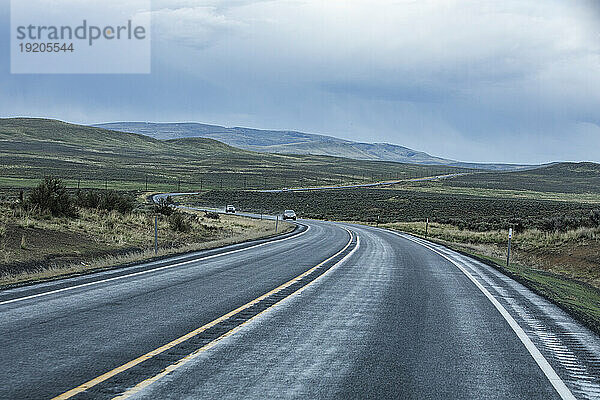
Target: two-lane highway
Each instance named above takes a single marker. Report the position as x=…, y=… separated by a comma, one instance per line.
x=336, y=311
x=53, y=342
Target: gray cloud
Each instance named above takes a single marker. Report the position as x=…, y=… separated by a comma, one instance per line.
x=513, y=80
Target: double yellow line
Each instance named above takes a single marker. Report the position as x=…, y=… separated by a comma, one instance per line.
x=89, y=384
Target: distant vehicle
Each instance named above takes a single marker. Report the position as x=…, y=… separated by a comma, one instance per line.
x=230, y=209
x=289, y=214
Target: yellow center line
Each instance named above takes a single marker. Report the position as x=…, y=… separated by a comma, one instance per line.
x=89, y=384
x=180, y=363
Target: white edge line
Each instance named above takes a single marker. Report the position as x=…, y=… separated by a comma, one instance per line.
x=180, y=363
x=33, y=296
x=541, y=361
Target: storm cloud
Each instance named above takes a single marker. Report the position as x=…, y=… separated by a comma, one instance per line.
x=510, y=81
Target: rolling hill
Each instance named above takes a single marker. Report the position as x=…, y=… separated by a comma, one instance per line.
x=291, y=142
x=32, y=148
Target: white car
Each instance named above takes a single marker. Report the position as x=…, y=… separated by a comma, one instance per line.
x=289, y=214
x=230, y=209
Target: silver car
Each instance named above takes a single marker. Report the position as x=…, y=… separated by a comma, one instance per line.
x=289, y=214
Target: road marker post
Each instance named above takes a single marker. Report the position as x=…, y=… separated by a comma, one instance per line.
x=426, y=228
x=510, y=234
x=156, y=234
x=276, y=222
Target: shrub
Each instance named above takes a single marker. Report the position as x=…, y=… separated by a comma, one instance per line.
x=88, y=199
x=212, y=215
x=595, y=217
x=164, y=207
x=115, y=201
x=179, y=223
x=51, y=196
x=109, y=201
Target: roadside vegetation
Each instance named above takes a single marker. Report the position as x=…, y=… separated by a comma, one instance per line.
x=467, y=212
x=572, y=178
x=50, y=231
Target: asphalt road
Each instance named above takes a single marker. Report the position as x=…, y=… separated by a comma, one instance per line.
x=335, y=187
x=373, y=314
x=365, y=185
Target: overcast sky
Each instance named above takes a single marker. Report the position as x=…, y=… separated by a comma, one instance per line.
x=504, y=81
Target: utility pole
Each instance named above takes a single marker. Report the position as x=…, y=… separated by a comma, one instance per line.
x=105, y=184
x=146, y=183
x=510, y=234
x=201, y=184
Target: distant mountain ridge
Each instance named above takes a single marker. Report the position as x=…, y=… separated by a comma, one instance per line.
x=292, y=142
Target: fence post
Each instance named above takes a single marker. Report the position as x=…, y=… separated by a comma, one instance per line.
x=156, y=234
x=510, y=233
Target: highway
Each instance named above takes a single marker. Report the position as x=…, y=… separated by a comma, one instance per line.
x=330, y=311
x=366, y=185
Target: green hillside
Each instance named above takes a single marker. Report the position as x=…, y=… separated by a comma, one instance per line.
x=559, y=178
x=291, y=142
x=33, y=148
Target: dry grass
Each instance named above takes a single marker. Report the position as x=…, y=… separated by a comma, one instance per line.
x=99, y=240
x=573, y=253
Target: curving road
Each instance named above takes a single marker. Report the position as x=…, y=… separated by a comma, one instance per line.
x=331, y=311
